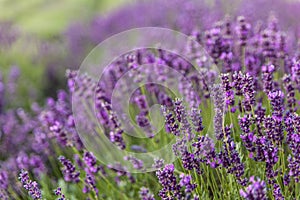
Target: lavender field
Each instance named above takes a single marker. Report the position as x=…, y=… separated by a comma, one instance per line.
x=173, y=100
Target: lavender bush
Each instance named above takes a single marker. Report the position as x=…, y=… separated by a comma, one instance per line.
x=235, y=131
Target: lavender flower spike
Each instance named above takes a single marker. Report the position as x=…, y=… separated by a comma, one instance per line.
x=59, y=193
x=145, y=194
x=31, y=186
x=69, y=170
x=255, y=191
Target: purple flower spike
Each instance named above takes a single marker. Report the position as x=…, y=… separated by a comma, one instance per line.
x=145, y=194
x=242, y=30
x=186, y=181
x=248, y=92
x=267, y=78
x=205, y=151
x=219, y=103
x=3, y=179
x=247, y=136
x=255, y=191
x=158, y=163
x=91, y=162
x=227, y=86
x=290, y=92
x=90, y=184
x=69, y=170
x=137, y=164
x=171, y=124
x=59, y=193
x=292, y=127
x=169, y=183
x=230, y=158
x=296, y=74
x=31, y=186
x=196, y=118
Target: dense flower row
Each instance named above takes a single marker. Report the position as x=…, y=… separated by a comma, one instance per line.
x=251, y=153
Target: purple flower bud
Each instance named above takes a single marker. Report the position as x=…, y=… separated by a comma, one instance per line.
x=145, y=194
x=158, y=163
x=293, y=140
x=229, y=94
x=248, y=92
x=90, y=184
x=91, y=162
x=296, y=74
x=116, y=138
x=243, y=29
x=3, y=179
x=141, y=102
x=267, y=78
x=169, y=183
x=277, y=192
x=247, y=136
x=290, y=92
x=189, y=161
x=137, y=164
x=186, y=182
x=59, y=132
x=13, y=77
x=31, y=186
x=255, y=191
x=230, y=158
x=22, y=160
x=268, y=44
x=219, y=103
x=171, y=125
x=121, y=171
x=205, y=151
x=69, y=170
x=238, y=82
x=59, y=193
x=196, y=118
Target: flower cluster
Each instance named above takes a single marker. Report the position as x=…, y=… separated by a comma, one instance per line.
x=31, y=186
x=255, y=191
x=69, y=170
x=145, y=194
x=227, y=129
x=59, y=193
x=172, y=187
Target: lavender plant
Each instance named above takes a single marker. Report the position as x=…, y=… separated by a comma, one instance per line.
x=237, y=139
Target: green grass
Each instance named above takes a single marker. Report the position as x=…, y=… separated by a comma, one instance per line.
x=47, y=18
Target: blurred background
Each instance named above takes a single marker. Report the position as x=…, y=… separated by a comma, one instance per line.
x=49, y=18
x=33, y=38
x=43, y=38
